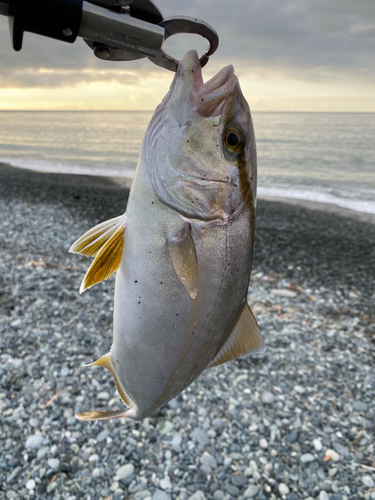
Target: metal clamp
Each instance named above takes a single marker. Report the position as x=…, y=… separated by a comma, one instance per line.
x=175, y=25
x=116, y=30
x=146, y=10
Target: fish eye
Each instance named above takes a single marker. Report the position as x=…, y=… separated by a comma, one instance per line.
x=232, y=141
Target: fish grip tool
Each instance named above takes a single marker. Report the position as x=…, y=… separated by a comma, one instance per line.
x=116, y=30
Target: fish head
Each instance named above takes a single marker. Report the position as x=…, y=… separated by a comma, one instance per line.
x=200, y=145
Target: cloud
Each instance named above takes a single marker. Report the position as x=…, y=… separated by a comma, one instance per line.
x=301, y=40
x=44, y=77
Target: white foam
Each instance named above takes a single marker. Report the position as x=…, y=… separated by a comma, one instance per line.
x=358, y=204
x=359, y=200
x=63, y=168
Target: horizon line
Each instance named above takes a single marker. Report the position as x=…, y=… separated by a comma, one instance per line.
x=152, y=110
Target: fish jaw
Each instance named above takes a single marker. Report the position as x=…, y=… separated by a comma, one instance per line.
x=188, y=93
x=185, y=154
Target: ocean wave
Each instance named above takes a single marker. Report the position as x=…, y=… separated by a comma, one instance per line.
x=354, y=200
x=359, y=200
x=63, y=168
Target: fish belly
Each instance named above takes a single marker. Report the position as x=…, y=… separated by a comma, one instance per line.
x=163, y=339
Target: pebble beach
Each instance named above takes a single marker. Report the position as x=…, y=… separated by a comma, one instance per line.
x=296, y=423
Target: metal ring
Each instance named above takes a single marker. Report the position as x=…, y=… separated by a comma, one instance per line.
x=176, y=25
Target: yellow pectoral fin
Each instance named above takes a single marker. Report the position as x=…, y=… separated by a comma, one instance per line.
x=244, y=339
x=107, y=261
x=101, y=415
x=184, y=259
x=92, y=241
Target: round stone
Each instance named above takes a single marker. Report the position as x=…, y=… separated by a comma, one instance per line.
x=333, y=455
x=114, y=486
x=200, y=436
x=268, y=397
x=102, y=435
x=125, y=471
x=96, y=472
x=12, y=495
x=239, y=480
x=65, y=371
x=161, y=495
x=165, y=483
x=307, y=458
x=219, y=495
x=12, y=475
x=341, y=449
x=54, y=463
x=251, y=491
x=232, y=490
x=34, y=441
x=51, y=487
x=283, y=489
x=165, y=427
x=209, y=460
x=263, y=443
x=368, y=481
x=198, y=495
x=176, y=443
x=42, y=452
x=30, y=485
x=292, y=437
x=318, y=444
x=359, y=406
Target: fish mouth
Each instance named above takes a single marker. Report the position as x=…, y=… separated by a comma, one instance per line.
x=208, y=98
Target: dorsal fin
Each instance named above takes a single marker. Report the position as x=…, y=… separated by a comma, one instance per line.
x=92, y=241
x=107, y=260
x=244, y=339
x=184, y=259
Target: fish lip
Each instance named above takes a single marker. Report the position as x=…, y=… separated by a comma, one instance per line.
x=208, y=99
x=220, y=79
x=190, y=64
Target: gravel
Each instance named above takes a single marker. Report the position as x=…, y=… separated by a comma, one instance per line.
x=296, y=423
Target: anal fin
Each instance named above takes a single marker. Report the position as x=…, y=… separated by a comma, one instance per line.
x=244, y=339
x=106, y=362
x=184, y=259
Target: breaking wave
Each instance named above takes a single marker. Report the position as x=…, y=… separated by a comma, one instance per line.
x=64, y=168
x=359, y=200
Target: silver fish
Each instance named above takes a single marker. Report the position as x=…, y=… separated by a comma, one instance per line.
x=183, y=249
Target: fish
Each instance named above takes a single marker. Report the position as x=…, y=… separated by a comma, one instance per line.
x=183, y=250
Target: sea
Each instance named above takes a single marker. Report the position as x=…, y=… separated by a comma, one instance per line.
x=321, y=157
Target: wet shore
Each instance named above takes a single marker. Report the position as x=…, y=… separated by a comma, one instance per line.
x=306, y=241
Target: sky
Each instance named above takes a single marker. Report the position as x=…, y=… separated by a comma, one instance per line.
x=289, y=55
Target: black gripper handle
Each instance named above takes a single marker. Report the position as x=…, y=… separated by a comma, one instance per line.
x=59, y=19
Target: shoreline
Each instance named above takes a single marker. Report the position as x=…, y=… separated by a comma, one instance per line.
x=313, y=244
x=105, y=182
